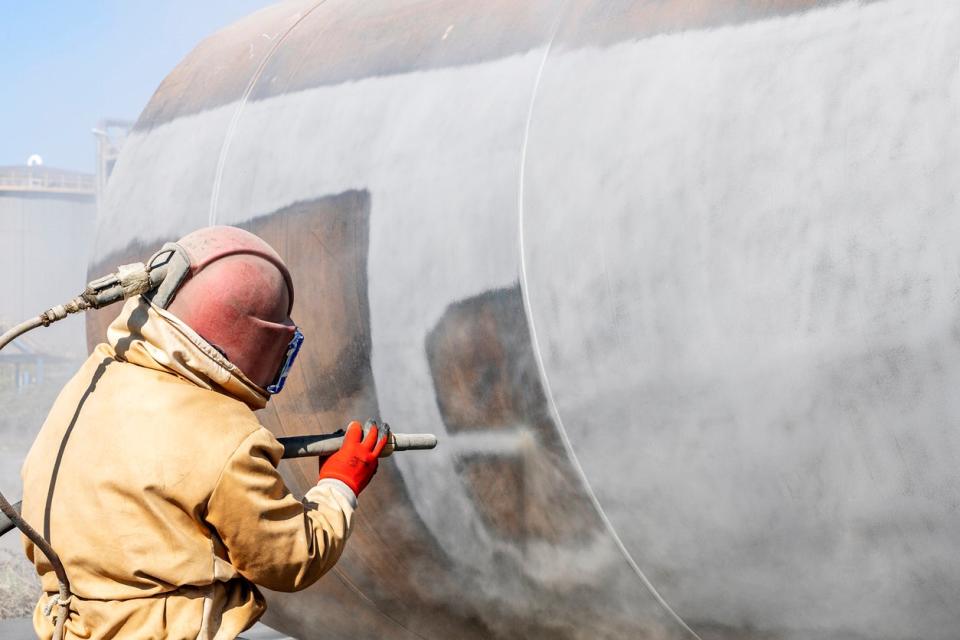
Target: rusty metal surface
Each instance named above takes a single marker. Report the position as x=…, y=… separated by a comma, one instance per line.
x=403, y=37
x=673, y=282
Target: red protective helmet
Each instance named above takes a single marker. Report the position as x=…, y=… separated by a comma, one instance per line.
x=237, y=294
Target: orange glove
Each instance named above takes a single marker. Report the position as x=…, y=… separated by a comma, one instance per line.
x=356, y=461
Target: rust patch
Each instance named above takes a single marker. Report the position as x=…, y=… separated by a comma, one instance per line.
x=486, y=380
x=398, y=38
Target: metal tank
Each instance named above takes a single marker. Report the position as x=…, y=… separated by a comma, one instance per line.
x=47, y=218
x=676, y=284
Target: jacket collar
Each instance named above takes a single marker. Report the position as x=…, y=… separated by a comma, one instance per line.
x=146, y=335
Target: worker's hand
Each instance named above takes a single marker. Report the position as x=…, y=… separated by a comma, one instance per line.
x=356, y=461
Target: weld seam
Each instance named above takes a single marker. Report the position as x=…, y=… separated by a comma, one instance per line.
x=235, y=119
x=545, y=381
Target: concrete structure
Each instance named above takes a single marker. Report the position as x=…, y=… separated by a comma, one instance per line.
x=46, y=227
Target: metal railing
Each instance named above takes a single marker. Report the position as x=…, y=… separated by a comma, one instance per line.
x=41, y=180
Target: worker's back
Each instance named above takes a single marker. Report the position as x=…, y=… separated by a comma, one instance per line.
x=157, y=493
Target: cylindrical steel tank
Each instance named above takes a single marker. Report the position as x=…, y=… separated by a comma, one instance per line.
x=47, y=218
x=676, y=284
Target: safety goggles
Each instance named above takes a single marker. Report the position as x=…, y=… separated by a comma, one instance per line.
x=292, y=350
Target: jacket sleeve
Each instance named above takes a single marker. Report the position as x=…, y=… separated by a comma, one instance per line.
x=271, y=538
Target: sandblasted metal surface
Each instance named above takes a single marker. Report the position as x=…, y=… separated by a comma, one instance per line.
x=673, y=282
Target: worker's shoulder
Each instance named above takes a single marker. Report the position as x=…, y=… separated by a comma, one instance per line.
x=156, y=399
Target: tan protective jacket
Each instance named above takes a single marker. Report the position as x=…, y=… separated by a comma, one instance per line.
x=158, y=488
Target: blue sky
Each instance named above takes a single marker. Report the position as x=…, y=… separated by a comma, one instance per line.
x=65, y=65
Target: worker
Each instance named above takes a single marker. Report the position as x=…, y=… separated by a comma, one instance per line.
x=154, y=481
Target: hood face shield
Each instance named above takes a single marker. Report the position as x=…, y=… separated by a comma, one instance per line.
x=292, y=350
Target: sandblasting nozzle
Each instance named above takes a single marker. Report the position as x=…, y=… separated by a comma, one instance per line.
x=326, y=444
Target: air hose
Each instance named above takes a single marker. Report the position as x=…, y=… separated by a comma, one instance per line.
x=130, y=280
x=160, y=277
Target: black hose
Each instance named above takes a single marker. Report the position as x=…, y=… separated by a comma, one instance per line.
x=13, y=515
x=6, y=524
x=128, y=281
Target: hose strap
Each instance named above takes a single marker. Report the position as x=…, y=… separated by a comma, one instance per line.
x=54, y=601
x=134, y=278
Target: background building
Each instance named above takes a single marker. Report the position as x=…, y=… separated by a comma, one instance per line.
x=110, y=134
x=46, y=225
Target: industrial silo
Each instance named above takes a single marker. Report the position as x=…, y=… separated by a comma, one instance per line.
x=46, y=224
